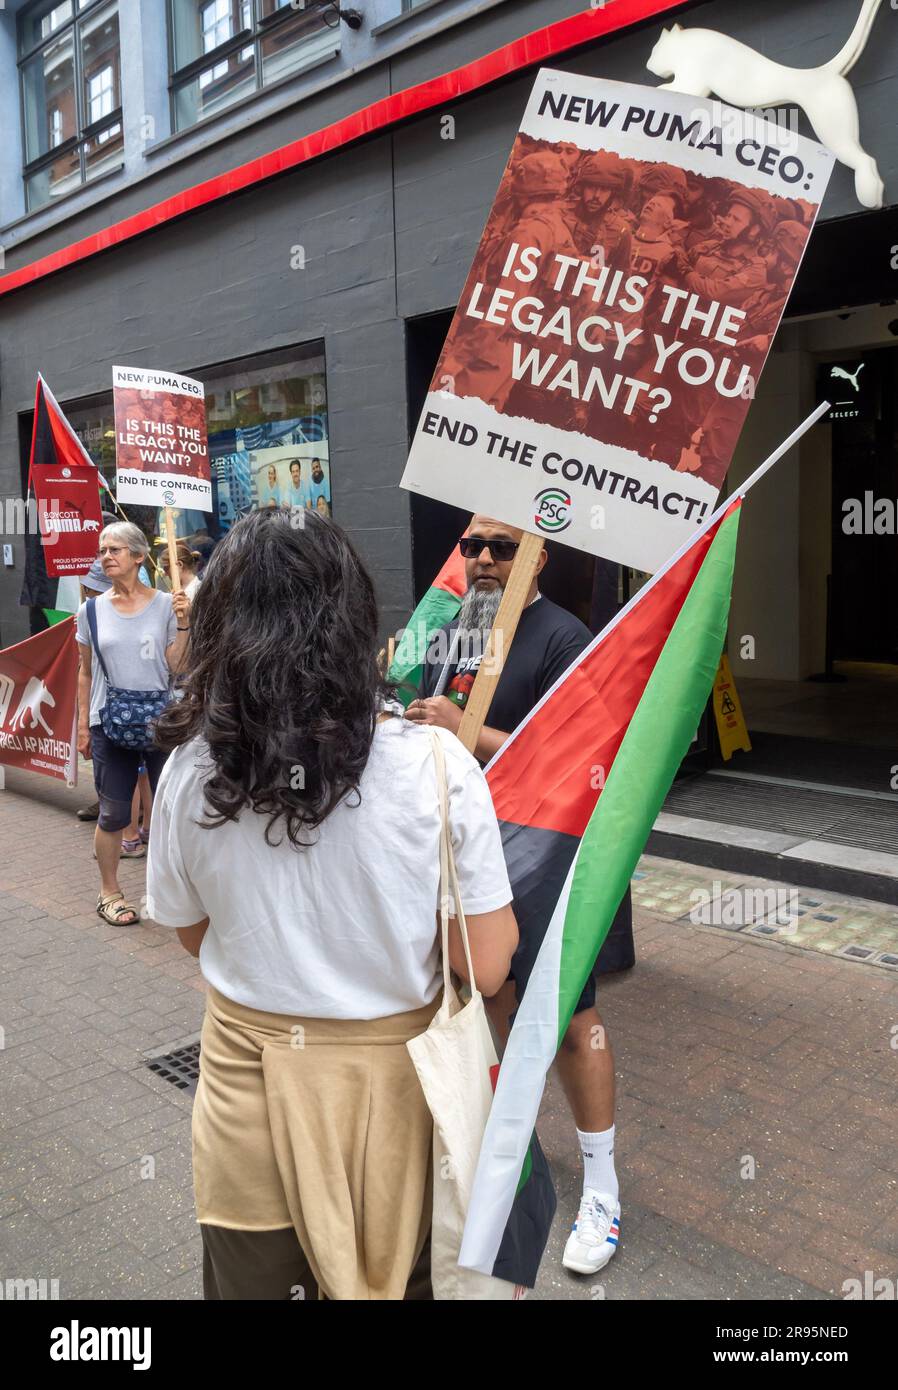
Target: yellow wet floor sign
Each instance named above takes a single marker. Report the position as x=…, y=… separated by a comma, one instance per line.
x=731, y=727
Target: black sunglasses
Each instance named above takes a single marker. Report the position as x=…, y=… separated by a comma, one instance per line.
x=471, y=546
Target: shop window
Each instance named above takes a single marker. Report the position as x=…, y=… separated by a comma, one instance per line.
x=268, y=441
x=70, y=75
x=223, y=50
x=268, y=433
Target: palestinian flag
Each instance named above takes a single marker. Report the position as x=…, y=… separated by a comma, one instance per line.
x=594, y=759
x=438, y=607
x=52, y=438
x=53, y=441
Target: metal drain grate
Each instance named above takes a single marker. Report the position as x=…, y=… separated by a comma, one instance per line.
x=865, y=822
x=181, y=1067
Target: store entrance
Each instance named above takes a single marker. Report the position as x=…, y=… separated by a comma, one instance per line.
x=864, y=614
x=833, y=723
x=813, y=636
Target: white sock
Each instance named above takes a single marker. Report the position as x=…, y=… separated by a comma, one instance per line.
x=598, y=1163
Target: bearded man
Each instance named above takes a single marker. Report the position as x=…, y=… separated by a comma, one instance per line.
x=547, y=640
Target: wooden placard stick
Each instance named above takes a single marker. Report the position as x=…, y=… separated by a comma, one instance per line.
x=501, y=638
x=174, y=570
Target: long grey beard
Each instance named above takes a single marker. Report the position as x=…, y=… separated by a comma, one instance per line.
x=475, y=620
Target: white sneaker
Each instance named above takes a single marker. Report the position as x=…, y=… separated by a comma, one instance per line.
x=594, y=1236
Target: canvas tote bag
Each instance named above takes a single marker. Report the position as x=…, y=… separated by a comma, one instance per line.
x=453, y=1059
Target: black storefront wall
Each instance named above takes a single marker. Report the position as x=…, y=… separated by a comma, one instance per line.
x=387, y=229
x=220, y=285
x=864, y=583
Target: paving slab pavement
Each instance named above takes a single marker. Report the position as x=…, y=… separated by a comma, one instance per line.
x=756, y=1080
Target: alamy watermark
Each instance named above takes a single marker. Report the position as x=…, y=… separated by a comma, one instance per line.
x=47, y=518
x=29, y=1290
x=468, y=645
x=736, y=907
x=870, y=516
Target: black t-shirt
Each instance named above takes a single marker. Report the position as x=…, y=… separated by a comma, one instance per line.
x=546, y=642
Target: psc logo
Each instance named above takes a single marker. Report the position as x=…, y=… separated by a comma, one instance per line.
x=553, y=506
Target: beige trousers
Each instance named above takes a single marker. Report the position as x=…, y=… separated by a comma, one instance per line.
x=320, y=1125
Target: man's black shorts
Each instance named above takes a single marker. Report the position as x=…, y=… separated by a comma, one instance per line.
x=616, y=954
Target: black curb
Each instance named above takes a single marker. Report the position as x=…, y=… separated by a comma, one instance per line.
x=804, y=873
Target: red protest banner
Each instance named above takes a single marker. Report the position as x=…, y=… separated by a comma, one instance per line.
x=69, y=515
x=66, y=489
x=39, y=703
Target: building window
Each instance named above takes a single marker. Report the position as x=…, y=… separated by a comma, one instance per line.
x=217, y=24
x=223, y=50
x=100, y=94
x=70, y=76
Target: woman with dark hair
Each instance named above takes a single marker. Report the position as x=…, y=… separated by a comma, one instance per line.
x=295, y=849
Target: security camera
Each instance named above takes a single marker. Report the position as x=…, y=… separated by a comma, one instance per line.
x=351, y=17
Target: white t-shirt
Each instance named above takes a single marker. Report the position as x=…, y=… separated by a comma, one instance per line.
x=345, y=928
x=133, y=646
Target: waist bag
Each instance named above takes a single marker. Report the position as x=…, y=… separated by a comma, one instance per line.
x=128, y=716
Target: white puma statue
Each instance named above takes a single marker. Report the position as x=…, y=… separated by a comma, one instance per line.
x=701, y=61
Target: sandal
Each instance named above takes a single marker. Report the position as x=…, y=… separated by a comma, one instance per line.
x=113, y=907
x=134, y=849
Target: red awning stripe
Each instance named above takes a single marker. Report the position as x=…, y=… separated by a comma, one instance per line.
x=513, y=57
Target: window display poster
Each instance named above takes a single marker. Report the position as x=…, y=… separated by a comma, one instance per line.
x=292, y=476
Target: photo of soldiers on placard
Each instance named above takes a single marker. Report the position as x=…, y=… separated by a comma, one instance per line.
x=716, y=434
x=706, y=236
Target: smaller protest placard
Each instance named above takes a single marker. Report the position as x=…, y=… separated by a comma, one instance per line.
x=161, y=450
x=69, y=515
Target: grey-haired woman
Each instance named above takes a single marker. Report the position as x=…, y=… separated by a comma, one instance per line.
x=137, y=637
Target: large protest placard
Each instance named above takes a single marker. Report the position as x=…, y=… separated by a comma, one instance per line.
x=161, y=450
x=621, y=304
x=38, y=703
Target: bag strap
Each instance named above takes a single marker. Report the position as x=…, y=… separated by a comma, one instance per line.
x=92, y=624
x=448, y=873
